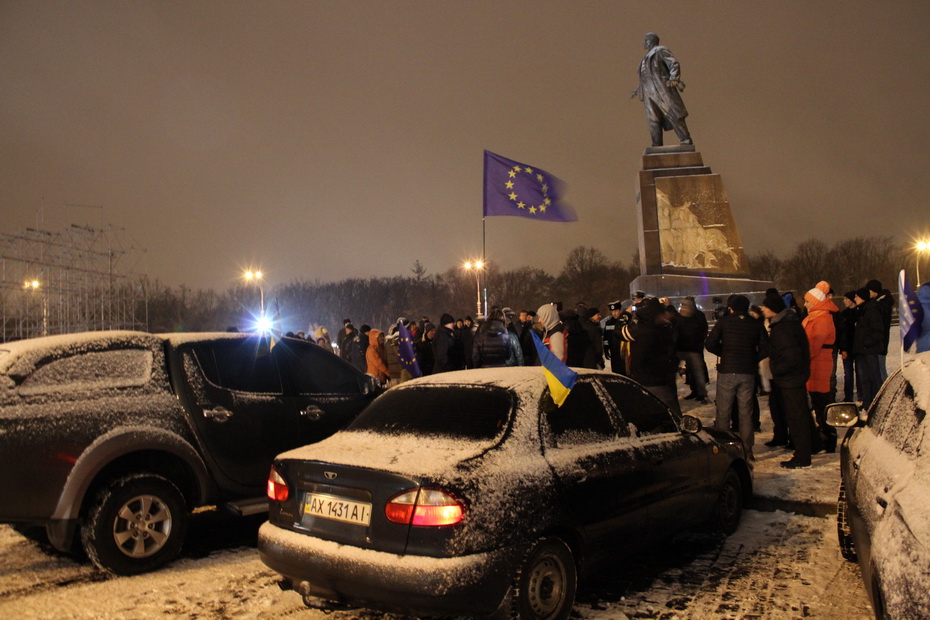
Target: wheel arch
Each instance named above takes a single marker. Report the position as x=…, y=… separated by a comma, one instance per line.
x=127, y=449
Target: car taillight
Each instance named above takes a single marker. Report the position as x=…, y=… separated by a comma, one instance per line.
x=424, y=507
x=277, y=486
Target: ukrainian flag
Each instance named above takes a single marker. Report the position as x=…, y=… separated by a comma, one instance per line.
x=560, y=377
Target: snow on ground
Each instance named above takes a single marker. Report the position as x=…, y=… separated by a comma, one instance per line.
x=777, y=565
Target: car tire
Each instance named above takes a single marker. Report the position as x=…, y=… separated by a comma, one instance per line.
x=843, y=531
x=136, y=524
x=729, y=507
x=545, y=584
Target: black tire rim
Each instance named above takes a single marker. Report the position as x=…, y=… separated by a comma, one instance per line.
x=546, y=586
x=142, y=526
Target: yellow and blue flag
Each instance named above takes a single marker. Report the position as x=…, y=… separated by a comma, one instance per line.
x=561, y=378
x=512, y=188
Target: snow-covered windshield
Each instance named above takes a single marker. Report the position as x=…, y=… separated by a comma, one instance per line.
x=453, y=411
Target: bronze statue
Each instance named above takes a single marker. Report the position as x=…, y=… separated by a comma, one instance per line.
x=659, y=88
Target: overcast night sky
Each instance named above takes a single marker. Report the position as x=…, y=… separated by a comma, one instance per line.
x=328, y=140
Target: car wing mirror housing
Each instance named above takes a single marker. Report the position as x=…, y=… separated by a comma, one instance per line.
x=691, y=424
x=842, y=415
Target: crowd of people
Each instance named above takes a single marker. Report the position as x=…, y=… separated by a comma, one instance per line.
x=780, y=349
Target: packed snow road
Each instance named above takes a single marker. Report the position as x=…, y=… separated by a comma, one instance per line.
x=778, y=565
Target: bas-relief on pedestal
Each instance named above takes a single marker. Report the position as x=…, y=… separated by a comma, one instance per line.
x=688, y=240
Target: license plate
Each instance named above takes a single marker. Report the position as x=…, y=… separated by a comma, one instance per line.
x=337, y=508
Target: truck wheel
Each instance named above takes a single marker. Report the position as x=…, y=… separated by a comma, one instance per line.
x=843, y=532
x=136, y=524
x=546, y=582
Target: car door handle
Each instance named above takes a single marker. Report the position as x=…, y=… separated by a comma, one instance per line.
x=218, y=414
x=312, y=412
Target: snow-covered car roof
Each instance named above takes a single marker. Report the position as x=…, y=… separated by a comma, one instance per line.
x=511, y=378
x=19, y=357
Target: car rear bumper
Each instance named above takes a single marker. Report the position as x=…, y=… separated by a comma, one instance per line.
x=473, y=584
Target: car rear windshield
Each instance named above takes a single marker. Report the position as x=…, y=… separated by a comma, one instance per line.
x=465, y=412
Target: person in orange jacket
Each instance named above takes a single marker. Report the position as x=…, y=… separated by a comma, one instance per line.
x=374, y=355
x=821, y=336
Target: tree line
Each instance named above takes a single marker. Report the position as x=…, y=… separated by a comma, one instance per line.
x=587, y=275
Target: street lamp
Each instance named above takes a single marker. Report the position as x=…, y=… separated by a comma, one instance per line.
x=477, y=266
x=33, y=285
x=256, y=276
x=922, y=246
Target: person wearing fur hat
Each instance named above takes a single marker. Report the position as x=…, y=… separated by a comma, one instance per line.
x=868, y=346
x=821, y=337
x=789, y=359
x=653, y=362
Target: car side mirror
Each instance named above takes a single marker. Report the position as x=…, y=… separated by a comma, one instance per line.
x=691, y=424
x=842, y=414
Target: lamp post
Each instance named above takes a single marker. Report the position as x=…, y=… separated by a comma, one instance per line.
x=256, y=276
x=34, y=285
x=922, y=246
x=476, y=266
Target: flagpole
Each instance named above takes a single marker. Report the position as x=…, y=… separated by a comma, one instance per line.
x=484, y=259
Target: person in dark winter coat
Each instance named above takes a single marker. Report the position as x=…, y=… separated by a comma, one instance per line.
x=614, y=346
x=465, y=334
x=447, y=355
x=789, y=359
x=653, y=362
x=741, y=342
x=527, y=319
x=576, y=336
x=885, y=302
x=691, y=325
x=844, y=342
x=868, y=346
x=493, y=342
x=424, y=349
x=594, y=345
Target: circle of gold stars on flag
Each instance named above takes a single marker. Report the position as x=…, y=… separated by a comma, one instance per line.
x=522, y=202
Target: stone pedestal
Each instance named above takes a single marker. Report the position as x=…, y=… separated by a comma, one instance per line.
x=684, y=217
x=688, y=241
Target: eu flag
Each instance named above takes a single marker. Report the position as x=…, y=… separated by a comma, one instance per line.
x=910, y=312
x=405, y=352
x=512, y=188
x=561, y=378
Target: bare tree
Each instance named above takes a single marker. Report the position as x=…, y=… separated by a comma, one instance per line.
x=764, y=266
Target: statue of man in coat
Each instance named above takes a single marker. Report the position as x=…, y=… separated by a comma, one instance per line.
x=659, y=90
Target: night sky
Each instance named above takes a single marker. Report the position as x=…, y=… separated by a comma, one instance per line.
x=328, y=140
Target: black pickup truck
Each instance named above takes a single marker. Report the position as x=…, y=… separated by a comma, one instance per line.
x=109, y=440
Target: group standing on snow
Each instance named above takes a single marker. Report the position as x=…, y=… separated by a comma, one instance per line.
x=778, y=349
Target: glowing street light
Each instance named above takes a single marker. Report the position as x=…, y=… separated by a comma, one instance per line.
x=34, y=285
x=476, y=266
x=256, y=276
x=922, y=246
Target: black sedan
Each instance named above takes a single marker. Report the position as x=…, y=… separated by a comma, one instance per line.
x=472, y=493
x=883, y=518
